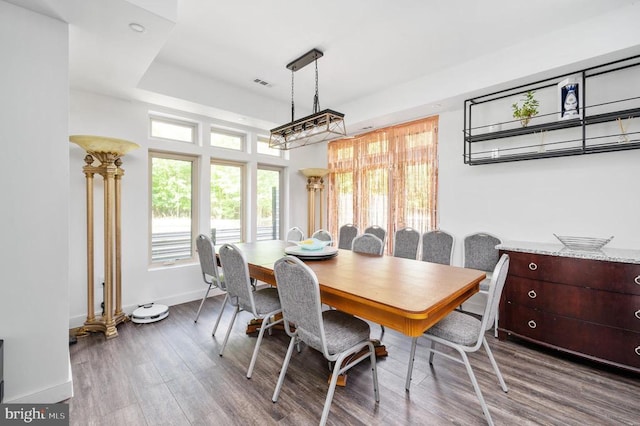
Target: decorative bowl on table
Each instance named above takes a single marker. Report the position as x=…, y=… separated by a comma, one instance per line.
x=583, y=243
x=312, y=244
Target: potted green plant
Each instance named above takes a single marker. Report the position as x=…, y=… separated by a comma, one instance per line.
x=528, y=109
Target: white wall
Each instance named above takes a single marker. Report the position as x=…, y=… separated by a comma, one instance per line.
x=106, y=116
x=34, y=294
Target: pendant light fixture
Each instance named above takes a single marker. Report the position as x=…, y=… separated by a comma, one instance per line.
x=317, y=127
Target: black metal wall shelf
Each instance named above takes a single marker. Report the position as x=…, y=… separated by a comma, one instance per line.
x=609, y=105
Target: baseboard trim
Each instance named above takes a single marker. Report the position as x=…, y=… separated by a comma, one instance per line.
x=177, y=299
x=51, y=395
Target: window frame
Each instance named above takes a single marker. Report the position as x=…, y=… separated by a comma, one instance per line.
x=228, y=132
x=195, y=205
x=175, y=121
x=281, y=200
x=243, y=192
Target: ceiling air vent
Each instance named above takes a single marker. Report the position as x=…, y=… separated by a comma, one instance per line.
x=262, y=82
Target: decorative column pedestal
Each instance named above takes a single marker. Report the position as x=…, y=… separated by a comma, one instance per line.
x=104, y=158
x=315, y=185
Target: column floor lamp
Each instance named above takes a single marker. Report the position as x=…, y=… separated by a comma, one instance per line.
x=104, y=158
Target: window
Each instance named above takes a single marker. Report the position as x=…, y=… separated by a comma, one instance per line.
x=227, y=139
x=171, y=129
x=173, y=209
x=263, y=147
x=227, y=202
x=268, y=203
x=388, y=178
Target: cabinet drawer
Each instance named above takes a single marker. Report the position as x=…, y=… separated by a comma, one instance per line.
x=610, y=276
x=596, y=341
x=601, y=307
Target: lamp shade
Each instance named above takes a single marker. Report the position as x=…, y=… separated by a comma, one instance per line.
x=103, y=145
x=314, y=172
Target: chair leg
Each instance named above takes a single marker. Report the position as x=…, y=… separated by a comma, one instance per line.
x=503, y=385
x=266, y=324
x=263, y=327
x=202, y=303
x=224, y=303
x=331, y=390
x=374, y=372
x=474, y=382
x=495, y=326
x=412, y=355
x=283, y=371
x=226, y=336
x=431, y=352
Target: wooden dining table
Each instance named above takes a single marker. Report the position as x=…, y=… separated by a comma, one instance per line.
x=405, y=295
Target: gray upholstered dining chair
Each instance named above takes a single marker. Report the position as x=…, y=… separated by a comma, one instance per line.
x=263, y=303
x=322, y=235
x=405, y=243
x=295, y=234
x=480, y=252
x=346, y=235
x=340, y=337
x=465, y=334
x=437, y=247
x=211, y=274
x=378, y=232
x=367, y=243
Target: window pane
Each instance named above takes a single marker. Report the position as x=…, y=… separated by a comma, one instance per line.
x=226, y=202
x=263, y=148
x=344, y=192
x=174, y=130
x=227, y=140
x=268, y=214
x=376, y=187
x=171, y=208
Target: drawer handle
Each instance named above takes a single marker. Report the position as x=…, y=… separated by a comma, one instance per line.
x=532, y=324
x=533, y=267
x=637, y=350
x=532, y=294
x=637, y=314
x=637, y=279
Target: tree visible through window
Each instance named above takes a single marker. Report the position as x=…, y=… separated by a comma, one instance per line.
x=268, y=214
x=172, y=209
x=227, y=202
x=387, y=178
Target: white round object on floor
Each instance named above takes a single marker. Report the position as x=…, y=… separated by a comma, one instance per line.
x=150, y=313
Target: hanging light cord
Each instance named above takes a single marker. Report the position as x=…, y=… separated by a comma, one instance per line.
x=316, y=98
x=293, y=107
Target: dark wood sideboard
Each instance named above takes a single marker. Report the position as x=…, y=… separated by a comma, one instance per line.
x=587, y=304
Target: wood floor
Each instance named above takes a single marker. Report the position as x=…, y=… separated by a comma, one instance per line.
x=169, y=373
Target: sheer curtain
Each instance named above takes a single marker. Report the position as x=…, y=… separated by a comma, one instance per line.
x=388, y=177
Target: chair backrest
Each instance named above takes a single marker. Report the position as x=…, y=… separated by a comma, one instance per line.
x=207, y=256
x=236, y=277
x=496, y=286
x=322, y=235
x=367, y=243
x=377, y=231
x=299, y=293
x=480, y=251
x=295, y=234
x=437, y=247
x=406, y=242
x=346, y=235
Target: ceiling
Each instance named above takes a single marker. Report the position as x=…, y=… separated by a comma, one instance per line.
x=370, y=46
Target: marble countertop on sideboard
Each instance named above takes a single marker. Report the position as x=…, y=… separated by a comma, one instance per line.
x=606, y=253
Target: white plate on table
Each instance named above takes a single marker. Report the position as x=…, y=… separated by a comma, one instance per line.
x=326, y=252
